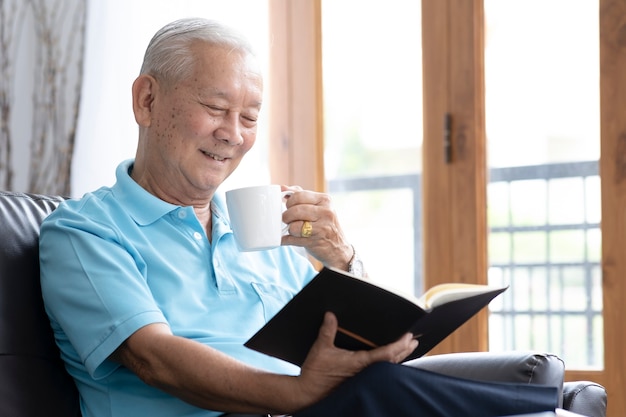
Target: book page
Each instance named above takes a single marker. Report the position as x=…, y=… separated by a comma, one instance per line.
x=444, y=293
x=564, y=413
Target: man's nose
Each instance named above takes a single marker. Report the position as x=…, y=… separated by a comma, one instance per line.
x=230, y=130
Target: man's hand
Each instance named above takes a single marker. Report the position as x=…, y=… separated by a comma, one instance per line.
x=326, y=366
x=327, y=242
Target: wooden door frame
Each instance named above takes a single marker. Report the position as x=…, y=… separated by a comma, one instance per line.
x=612, y=15
x=295, y=105
x=454, y=202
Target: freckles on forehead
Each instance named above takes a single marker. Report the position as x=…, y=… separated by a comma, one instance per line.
x=219, y=67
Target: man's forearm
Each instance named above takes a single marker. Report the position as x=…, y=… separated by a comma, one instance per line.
x=206, y=377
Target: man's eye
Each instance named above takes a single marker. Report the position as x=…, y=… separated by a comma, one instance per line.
x=215, y=108
x=249, y=121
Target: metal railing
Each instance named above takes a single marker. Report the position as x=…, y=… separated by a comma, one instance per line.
x=411, y=182
x=551, y=300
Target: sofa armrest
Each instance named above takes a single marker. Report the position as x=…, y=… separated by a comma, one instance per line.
x=585, y=398
x=519, y=367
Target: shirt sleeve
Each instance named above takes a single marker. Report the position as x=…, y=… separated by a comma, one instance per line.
x=94, y=288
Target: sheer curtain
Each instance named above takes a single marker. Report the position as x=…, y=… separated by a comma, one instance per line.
x=41, y=57
x=118, y=32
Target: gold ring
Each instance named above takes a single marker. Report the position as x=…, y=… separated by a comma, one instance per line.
x=307, y=229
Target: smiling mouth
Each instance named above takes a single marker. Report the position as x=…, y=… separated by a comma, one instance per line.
x=215, y=157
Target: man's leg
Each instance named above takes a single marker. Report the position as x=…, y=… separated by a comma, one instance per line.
x=386, y=389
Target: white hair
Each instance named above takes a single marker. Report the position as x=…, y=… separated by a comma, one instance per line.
x=169, y=55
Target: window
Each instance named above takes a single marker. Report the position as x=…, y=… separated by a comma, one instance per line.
x=455, y=189
x=543, y=136
x=372, y=76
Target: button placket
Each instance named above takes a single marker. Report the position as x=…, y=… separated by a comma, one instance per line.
x=223, y=279
x=189, y=225
x=223, y=276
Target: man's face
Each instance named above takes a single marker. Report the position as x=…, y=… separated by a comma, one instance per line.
x=202, y=126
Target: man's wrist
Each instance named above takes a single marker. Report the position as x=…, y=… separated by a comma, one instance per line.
x=355, y=265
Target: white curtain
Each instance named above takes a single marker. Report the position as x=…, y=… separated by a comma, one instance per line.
x=41, y=57
x=118, y=32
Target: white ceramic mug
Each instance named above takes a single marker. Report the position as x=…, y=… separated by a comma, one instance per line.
x=256, y=216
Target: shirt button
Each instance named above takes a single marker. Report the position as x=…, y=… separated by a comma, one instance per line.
x=182, y=214
x=197, y=235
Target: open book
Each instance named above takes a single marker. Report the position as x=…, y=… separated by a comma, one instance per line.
x=368, y=315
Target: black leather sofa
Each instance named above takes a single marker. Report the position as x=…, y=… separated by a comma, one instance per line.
x=33, y=382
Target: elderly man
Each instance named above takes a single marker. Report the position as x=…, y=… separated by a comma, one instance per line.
x=150, y=299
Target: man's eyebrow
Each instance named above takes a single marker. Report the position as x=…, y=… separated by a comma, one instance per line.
x=206, y=92
x=211, y=91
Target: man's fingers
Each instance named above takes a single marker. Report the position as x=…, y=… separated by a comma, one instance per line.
x=395, y=352
x=328, y=329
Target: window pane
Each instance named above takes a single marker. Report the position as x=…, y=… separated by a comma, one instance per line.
x=542, y=118
x=372, y=76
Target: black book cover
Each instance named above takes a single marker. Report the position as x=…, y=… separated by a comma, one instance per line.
x=368, y=316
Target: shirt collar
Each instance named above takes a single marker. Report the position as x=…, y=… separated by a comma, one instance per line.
x=146, y=208
x=142, y=206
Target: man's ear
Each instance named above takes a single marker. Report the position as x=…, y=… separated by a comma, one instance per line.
x=144, y=89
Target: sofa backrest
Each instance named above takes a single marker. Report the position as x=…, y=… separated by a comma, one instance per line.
x=33, y=381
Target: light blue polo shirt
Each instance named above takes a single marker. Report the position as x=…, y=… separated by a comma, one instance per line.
x=120, y=258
